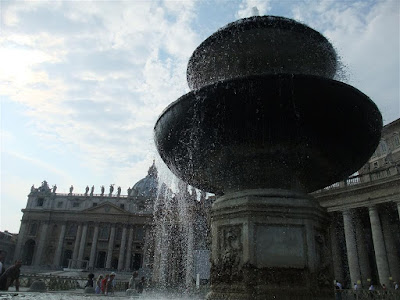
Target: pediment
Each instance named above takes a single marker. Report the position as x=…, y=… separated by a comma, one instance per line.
x=106, y=208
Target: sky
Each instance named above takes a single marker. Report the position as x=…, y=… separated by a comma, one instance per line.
x=82, y=83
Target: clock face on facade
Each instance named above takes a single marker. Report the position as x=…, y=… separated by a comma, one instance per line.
x=107, y=208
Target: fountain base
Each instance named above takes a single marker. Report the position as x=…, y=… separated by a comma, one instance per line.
x=270, y=244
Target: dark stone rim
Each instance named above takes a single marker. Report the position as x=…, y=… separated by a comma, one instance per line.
x=353, y=97
x=260, y=22
x=220, y=84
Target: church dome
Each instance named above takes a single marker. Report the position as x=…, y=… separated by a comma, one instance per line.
x=146, y=188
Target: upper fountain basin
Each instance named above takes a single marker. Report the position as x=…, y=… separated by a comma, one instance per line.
x=298, y=132
x=261, y=45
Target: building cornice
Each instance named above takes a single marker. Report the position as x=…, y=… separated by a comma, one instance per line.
x=360, y=195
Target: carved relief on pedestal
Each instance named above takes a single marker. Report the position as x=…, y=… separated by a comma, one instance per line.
x=228, y=266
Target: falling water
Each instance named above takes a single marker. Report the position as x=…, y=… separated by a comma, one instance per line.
x=180, y=229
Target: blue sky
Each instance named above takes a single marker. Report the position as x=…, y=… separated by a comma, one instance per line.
x=82, y=83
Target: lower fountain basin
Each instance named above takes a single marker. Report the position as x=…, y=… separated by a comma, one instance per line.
x=298, y=132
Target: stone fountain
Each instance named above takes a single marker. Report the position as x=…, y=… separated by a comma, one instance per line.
x=264, y=125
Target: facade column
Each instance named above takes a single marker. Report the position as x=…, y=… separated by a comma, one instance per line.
x=42, y=241
x=363, y=259
x=398, y=208
x=94, y=245
x=82, y=245
x=110, y=247
x=351, y=246
x=379, y=246
x=57, y=255
x=148, y=249
x=20, y=241
x=189, y=255
x=391, y=251
x=122, y=250
x=129, y=250
x=336, y=251
x=76, y=246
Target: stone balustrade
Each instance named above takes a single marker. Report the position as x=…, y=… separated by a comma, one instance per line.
x=62, y=283
x=364, y=178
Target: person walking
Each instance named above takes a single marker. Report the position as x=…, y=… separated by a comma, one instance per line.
x=133, y=281
x=140, y=285
x=2, y=257
x=11, y=275
x=110, y=284
x=97, y=290
x=104, y=284
x=89, y=283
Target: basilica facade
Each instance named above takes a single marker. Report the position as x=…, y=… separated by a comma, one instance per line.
x=88, y=230
x=161, y=233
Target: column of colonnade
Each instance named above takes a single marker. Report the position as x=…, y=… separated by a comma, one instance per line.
x=82, y=245
x=94, y=245
x=398, y=208
x=124, y=256
x=351, y=246
x=76, y=246
x=57, y=255
x=41, y=243
x=129, y=249
x=384, y=244
x=379, y=246
x=336, y=250
x=79, y=247
x=122, y=250
x=110, y=247
x=362, y=252
x=20, y=240
x=391, y=249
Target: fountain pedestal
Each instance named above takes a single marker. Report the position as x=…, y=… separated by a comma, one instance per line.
x=270, y=244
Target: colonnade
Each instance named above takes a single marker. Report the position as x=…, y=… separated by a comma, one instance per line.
x=362, y=259
x=80, y=244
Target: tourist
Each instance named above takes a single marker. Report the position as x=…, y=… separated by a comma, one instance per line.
x=89, y=283
x=140, y=285
x=355, y=286
x=110, y=284
x=11, y=275
x=338, y=285
x=371, y=287
x=97, y=290
x=133, y=280
x=2, y=256
x=104, y=284
x=396, y=285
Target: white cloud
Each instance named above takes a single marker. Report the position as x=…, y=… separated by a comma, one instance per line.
x=366, y=35
x=54, y=79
